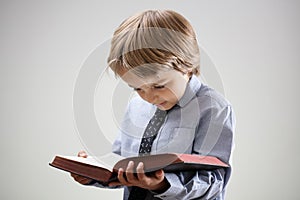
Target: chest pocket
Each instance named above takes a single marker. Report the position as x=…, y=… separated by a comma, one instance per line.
x=180, y=140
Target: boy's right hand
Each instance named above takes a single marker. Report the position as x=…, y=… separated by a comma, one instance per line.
x=81, y=179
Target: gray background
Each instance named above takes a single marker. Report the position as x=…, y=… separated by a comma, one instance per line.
x=254, y=44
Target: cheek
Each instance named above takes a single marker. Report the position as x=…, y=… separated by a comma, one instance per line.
x=141, y=94
x=169, y=95
x=177, y=91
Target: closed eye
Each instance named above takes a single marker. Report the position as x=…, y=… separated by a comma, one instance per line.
x=154, y=87
x=136, y=89
x=158, y=86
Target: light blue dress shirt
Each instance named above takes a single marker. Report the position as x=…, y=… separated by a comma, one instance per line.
x=202, y=122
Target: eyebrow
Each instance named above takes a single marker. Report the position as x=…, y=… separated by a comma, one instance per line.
x=131, y=86
x=160, y=82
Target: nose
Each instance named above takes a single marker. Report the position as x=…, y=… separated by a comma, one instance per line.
x=149, y=95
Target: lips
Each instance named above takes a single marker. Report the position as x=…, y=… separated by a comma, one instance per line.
x=161, y=104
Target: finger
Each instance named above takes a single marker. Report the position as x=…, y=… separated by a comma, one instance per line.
x=113, y=184
x=74, y=175
x=82, y=180
x=140, y=172
x=121, y=177
x=82, y=153
x=159, y=174
x=129, y=172
x=85, y=181
x=77, y=178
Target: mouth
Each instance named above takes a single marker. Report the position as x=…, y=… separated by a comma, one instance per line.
x=161, y=104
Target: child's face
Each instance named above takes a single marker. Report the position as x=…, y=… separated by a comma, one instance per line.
x=163, y=89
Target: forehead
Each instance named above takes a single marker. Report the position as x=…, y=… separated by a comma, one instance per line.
x=134, y=80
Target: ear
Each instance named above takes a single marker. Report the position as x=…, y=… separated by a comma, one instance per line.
x=188, y=75
x=190, y=72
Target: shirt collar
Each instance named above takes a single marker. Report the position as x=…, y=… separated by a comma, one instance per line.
x=192, y=88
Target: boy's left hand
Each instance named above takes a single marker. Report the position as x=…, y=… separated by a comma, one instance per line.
x=157, y=182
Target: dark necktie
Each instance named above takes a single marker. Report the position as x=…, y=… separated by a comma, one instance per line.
x=145, y=148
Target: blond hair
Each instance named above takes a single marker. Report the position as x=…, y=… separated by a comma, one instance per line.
x=153, y=40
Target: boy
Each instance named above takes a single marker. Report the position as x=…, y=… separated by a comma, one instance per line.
x=156, y=53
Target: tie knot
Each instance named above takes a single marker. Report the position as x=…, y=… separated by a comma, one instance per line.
x=159, y=112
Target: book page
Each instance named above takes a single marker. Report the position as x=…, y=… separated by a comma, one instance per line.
x=107, y=161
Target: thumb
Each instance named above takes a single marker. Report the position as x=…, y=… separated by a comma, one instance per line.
x=82, y=154
x=159, y=174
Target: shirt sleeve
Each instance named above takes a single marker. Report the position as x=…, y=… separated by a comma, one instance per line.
x=116, y=147
x=214, y=137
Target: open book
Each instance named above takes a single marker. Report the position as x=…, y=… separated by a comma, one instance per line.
x=104, y=169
